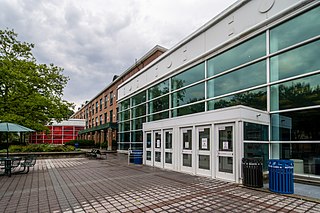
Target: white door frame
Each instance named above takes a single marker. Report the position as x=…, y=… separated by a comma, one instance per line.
x=187, y=147
x=168, y=149
x=158, y=148
x=227, y=154
x=150, y=149
x=204, y=147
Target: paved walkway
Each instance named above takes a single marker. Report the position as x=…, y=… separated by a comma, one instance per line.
x=83, y=185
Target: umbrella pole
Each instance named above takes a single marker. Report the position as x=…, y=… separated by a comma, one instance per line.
x=7, y=144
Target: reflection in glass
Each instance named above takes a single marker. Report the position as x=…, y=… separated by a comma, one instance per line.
x=168, y=143
x=305, y=156
x=243, y=53
x=137, y=146
x=204, y=139
x=238, y=80
x=125, y=115
x=137, y=123
x=188, y=77
x=148, y=140
x=300, y=125
x=255, y=132
x=124, y=146
x=257, y=150
x=188, y=95
x=168, y=157
x=159, y=116
x=136, y=136
x=297, y=93
x=139, y=111
x=254, y=98
x=295, y=30
x=226, y=164
x=295, y=62
x=204, y=162
x=139, y=98
x=125, y=137
x=125, y=105
x=225, y=138
x=148, y=155
x=195, y=108
x=157, y=156
x=187, y=139
x=159, y=104
x=159, y=89
x=187, y=160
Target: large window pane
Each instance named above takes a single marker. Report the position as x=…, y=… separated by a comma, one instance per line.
x=243, y=78
x=298, y=93
x=188, y=77
x=159, y=89
x=124, y=146
x=257, y=150
x=137, y=136
x=137, y=123
x=295, y=30
x=188, y=95
x=304, y=155
x=159, y=104
x=296, y=126
x=255, y=132
x=159, y=116
x=125, y=115
x=254, y=98
x=125, y=105
x=295, y=62
x=195, y=108
x=243, y=53
x=124, y=137
x=138, y=99
x=139, y=111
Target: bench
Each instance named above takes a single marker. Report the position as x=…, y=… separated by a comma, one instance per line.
x=94, y=153
x=28, y=161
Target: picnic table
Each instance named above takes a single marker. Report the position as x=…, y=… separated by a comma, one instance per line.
x=13, y=165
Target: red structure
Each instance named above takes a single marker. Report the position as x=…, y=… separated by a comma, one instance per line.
x=59, y=133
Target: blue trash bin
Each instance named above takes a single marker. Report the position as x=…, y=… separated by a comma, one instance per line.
x=137, y=156
x=281, y=176
x=76, y=145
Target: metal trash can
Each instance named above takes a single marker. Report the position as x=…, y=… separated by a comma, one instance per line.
x=281, y=176
x=252, y=172
x=137, y=156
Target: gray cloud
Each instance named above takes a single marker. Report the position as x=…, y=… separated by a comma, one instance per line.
x=94, y=40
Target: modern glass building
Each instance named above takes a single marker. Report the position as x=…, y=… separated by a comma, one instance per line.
x=246, y=84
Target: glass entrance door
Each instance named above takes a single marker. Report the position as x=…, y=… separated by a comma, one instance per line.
x=225, y=152
x=158, y=154
x=149, y=149
x=168, y=151
x=204, y=147
x=186, y=154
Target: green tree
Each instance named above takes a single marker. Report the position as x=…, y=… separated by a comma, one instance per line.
x=30, y=93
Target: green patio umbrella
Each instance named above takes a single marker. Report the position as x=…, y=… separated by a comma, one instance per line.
x=11, y=127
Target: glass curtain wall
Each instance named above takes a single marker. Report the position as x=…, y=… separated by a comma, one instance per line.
x=277, y=71
x=295, y=91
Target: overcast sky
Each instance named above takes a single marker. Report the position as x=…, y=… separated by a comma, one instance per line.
x=93, y=40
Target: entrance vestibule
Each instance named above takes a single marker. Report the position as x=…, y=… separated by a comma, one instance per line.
x=207, y=144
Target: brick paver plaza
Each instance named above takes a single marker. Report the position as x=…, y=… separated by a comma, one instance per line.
x=83, y=185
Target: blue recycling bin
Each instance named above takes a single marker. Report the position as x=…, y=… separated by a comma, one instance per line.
x=281, y=176
x=76, y=145
x=137, y=156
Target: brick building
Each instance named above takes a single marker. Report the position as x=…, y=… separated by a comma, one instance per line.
x=100, y=113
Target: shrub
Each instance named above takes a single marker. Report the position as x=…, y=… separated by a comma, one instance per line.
x=40, y=148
